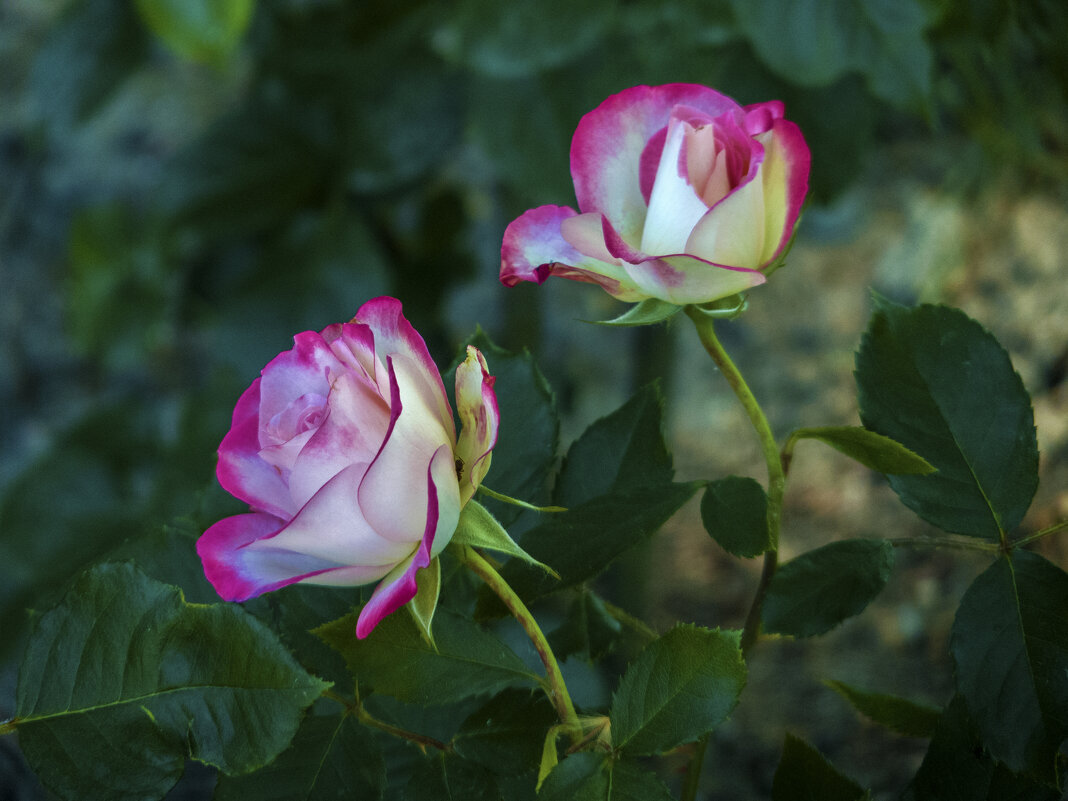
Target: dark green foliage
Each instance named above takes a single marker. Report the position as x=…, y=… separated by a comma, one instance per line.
x=396, y=660
x=447, y=777
x=126, y=654
x=506, y=734
x=1010, y=648
x=934, y=380
x=592, y=777
x=735, y=513
x=819, y=589
x=900, y=715
x=330, y=757
x=804, y=774
x=682, y=686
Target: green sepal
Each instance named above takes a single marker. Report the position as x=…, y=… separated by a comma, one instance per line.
x=498, y=496
x=422, y=606
x=725, y=308
x=549, y=757
x=646, y=312
x=479, y=529
x=874, y=451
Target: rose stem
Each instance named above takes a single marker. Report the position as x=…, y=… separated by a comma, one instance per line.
x=556, y=689
x=776, y=489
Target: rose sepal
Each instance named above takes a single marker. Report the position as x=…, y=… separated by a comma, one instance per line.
x=425, y=602
x=497, y=496
x=724, y=308
x=646, y=312
x=480, y=529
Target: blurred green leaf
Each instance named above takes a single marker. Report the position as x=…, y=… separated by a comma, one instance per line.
x=589, y=776
x=735, y=513
x=124, y=653
x=817, y=590
x=872, y=450
x=122, y=291
x=680, y=687
x=815, y=42
x=506, y=734
x=804, y=774
x=957, y=768
x=1010, y=649
x=510, y=40
x=934, y=380
x=897, y=714
x=397, y=661
x=92, y=49
x=447, y=777
x=330, y=757
x=620, y=451
x=201, y=30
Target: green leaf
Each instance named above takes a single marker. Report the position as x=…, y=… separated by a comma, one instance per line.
x=201, y=30
x=506, y=735
x=804, y=774
x=125, y=654
x=1010, y=649
x=818, y=590
x=526, y=442
x=621, y=451
x=735, y=513
x=815, y=42
x=445, y=777
x=897, y=714
x=588, y=776
x=681, y=686
x=934, y=380
x=872, y=450
x=397, y=661
x=331, y=757
x=956, y=767
x=584, y=540
x=646, y=312
x=480, y=529
x=515, y=40
x=588, y=629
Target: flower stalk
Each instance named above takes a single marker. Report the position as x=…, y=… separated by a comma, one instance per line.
x=776, y=490
x=555, y=688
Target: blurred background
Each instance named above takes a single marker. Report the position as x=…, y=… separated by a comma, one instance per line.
x=184, y=184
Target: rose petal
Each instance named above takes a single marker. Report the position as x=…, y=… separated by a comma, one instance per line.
x=238, y=572
x=733, y=231
x=307, y=367
x=683, y=279
x=674, y=205
x=354, y=346
x=394, y=336
x=415, y=434
x=534, y=248
x=476, y=404
x=332, y=528
x=609, y=142
x=785, y=176
x=353, y=431
x=241, y=471
x=399, y=587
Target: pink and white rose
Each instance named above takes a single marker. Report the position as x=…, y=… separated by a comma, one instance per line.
x=683, y=195
x=346, y=451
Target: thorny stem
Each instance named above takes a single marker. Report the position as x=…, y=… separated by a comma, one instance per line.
x=776, y=490
x=556, y=689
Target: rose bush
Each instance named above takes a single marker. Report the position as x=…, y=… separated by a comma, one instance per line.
x=346, y=451
x=684, y=195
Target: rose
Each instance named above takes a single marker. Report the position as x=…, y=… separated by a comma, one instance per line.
x=346, y=451
x=685, y=196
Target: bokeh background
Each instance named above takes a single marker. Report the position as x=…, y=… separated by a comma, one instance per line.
x=184, y=184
